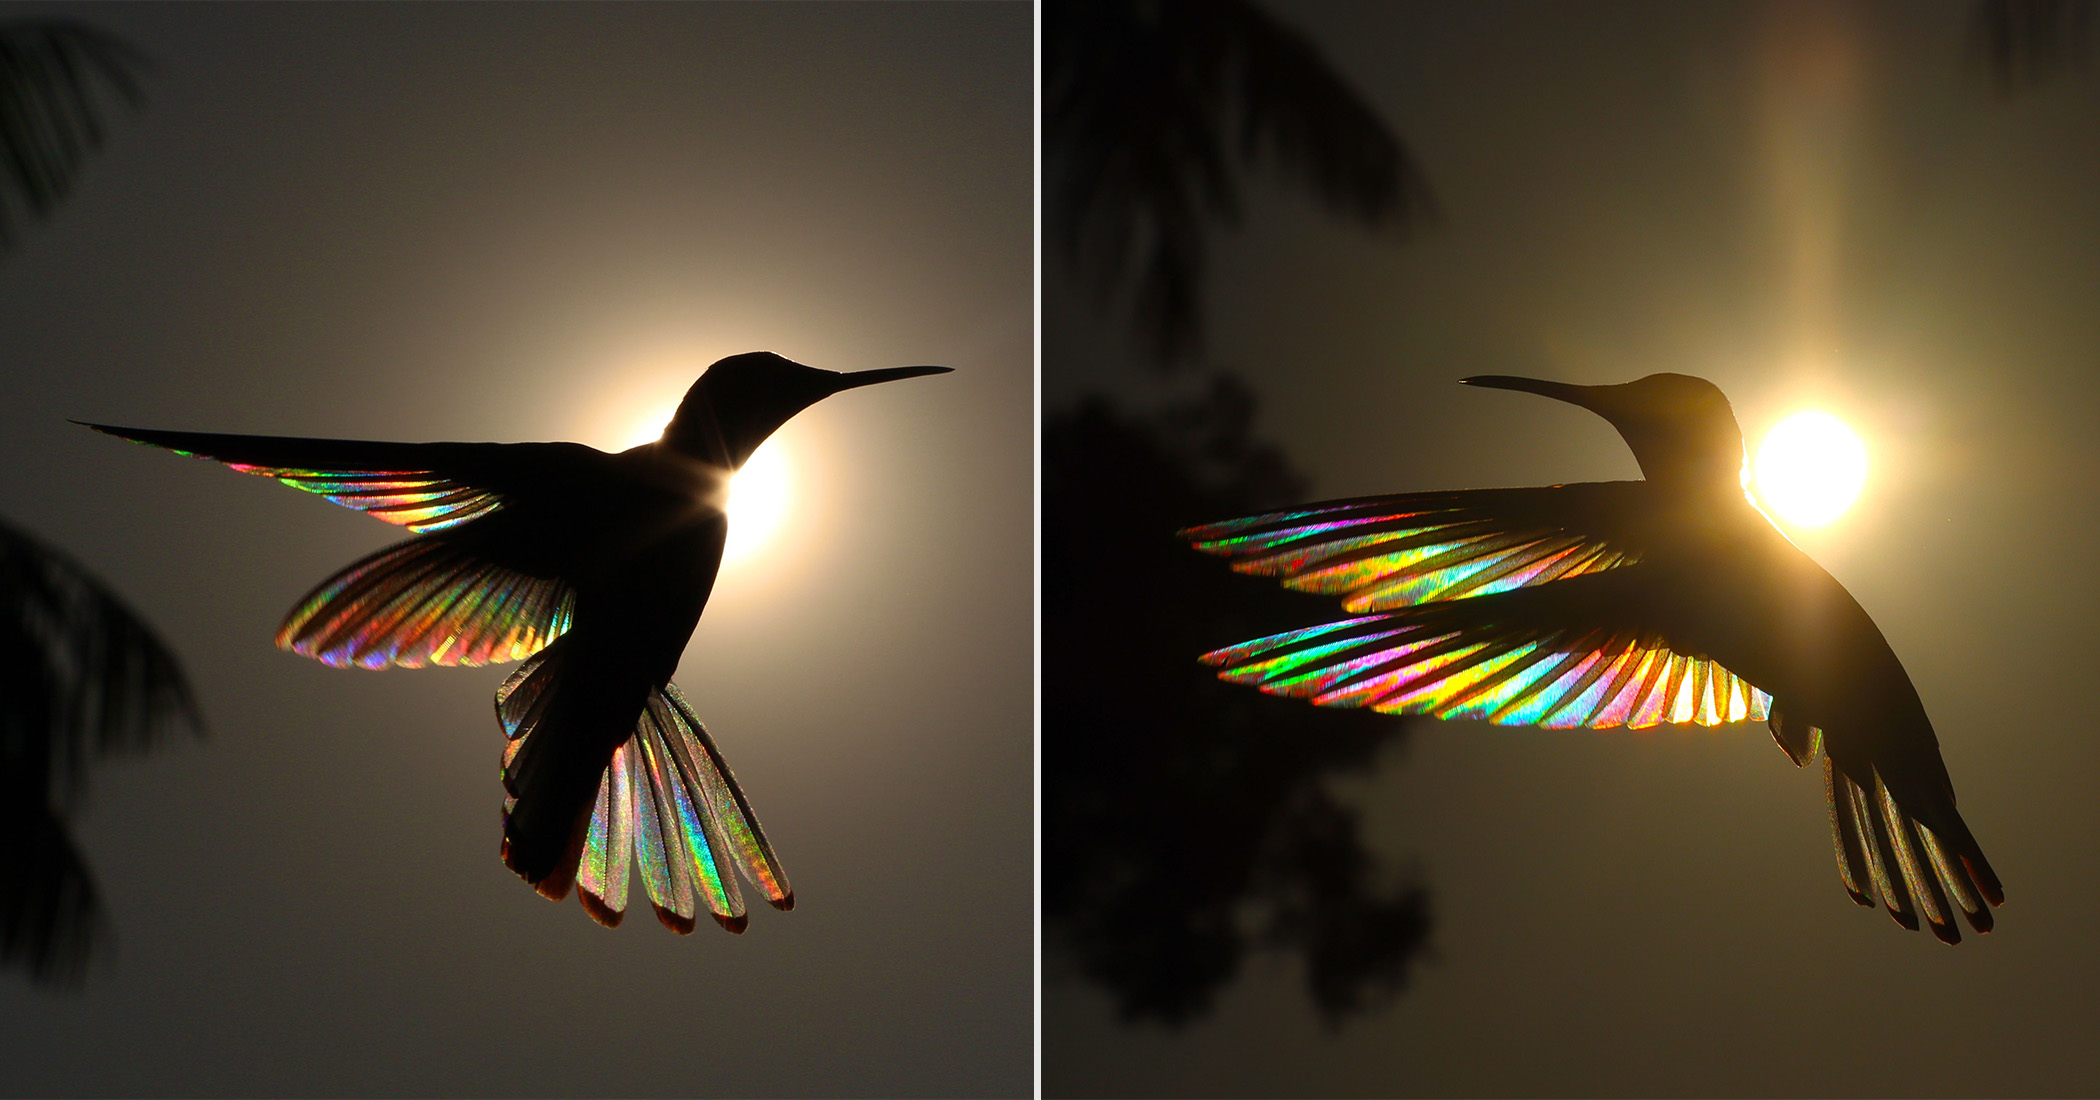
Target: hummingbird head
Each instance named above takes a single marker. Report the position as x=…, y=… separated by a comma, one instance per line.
x=1680, y=428
x=743, y=399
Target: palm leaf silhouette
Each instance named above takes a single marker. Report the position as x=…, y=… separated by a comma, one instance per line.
x=49, y=122
x=1150, y=112
x=81, y=676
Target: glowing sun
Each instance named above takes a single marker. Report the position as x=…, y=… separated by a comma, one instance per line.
x=759, y=494
x=1810, y=468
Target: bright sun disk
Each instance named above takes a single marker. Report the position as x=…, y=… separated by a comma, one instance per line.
x=758, y=500
x=1810, y=468
x=759, y=494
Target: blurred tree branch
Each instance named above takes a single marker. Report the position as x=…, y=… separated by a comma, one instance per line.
x=1151, y=111
x=81, y=675
x=49, y=121
x=1186, y=823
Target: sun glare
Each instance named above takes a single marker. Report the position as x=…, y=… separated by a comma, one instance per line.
x=758, y=500
x=758, y=494
x=1810, y=468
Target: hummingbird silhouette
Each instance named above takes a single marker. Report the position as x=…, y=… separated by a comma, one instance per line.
x=1624, y=603
x=591, y=567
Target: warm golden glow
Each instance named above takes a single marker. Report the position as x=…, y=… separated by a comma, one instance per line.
x=758, y=500
x=758, y=495
x=649, y=427
x=1810, y=468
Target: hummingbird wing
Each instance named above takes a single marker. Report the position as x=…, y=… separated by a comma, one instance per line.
x=420, y=486
x=1385, y=552
x=667, y=801
x=1569, y=654
x=434, y=600
x=1590, y=651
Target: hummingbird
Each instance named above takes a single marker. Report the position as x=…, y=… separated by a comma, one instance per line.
x=592, y=568
x=1624, y=603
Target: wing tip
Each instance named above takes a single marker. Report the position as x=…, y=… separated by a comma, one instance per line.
x=1985, y=878
x=682, y=925
x=733, y=925
x=785, y=902
x=602, y=913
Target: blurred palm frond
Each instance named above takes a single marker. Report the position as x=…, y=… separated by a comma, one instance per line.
x=81, y=677
x=1186, y=825
x=1151, y=109
x=49, y=121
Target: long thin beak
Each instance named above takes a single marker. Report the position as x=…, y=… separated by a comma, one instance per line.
x=1559, y=391
x=852, y=379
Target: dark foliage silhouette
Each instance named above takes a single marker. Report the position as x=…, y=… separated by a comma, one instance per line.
x=49, y=121
x=81, y=676
x=1152, y=109
x=2022, y=43
x=1186, y=822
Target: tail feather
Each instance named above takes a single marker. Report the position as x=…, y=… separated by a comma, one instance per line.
x=1957, y=879
x=553, y=778
x=1917, y=875
x=1846, y=834
x=1882, y=863
x=1886, y=849
x=665, y=801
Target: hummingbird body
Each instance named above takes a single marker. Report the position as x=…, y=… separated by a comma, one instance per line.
x=1669, y=599
x=594, y=568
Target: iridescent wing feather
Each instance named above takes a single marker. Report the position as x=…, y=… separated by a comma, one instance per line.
x=1495, y=658
x=1520, y=607
x=427, y=601
x=1379, y=553
x=421, y=486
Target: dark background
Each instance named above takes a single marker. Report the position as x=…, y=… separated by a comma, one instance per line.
x=1828, y=205
x=490, y=222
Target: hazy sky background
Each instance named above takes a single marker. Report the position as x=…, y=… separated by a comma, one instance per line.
x=485, y=222
x=1812, y=205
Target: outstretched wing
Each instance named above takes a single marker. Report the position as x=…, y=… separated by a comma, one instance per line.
x=427, y=601
x=668, y=802
x=1571, y=654
x=420, y=486
x=1378, y=553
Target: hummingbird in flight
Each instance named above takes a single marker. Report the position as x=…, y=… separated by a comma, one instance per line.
x=1624, y=603
x=593, y=569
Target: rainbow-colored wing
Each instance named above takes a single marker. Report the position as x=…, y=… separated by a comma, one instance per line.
x=419, y=500
x=427, y=601
x=421, y=486
x=666, y=802
x=1379, y=553
x=1560, y=656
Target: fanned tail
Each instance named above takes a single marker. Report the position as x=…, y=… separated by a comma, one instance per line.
x=665, y=801
x=1885, y=852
